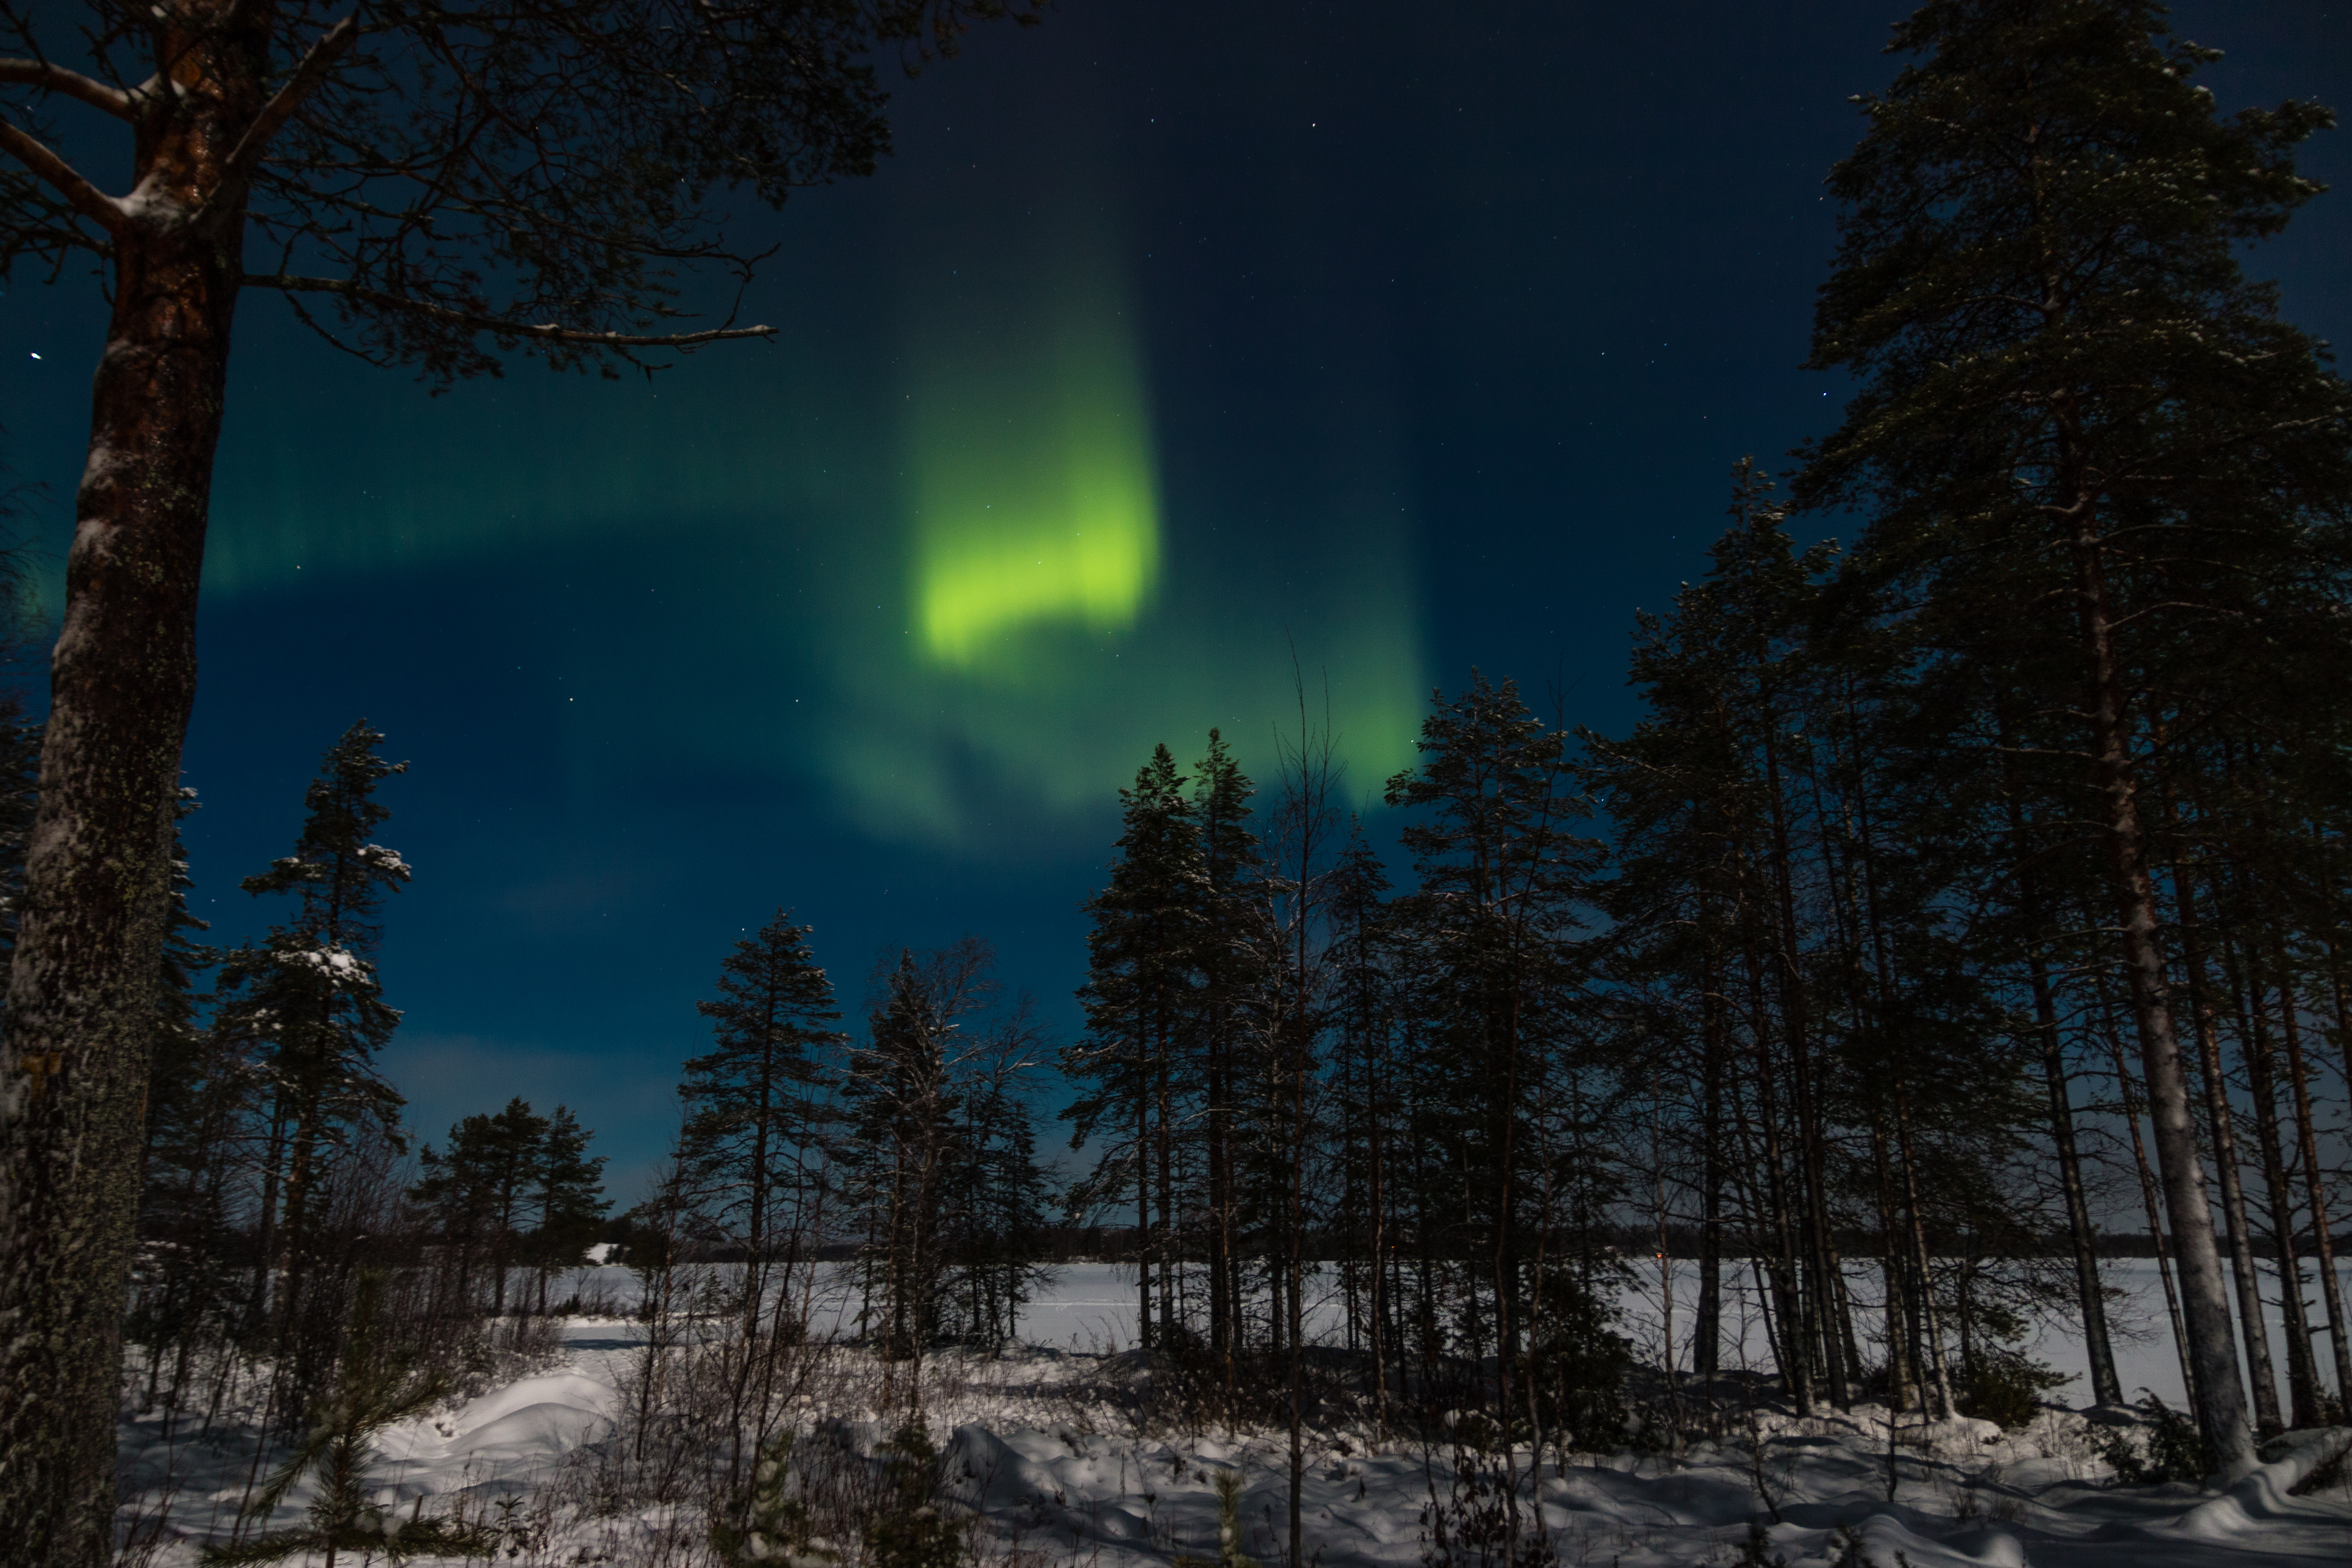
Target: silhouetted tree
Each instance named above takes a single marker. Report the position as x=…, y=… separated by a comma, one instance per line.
x=2078, y=413
x=431, y=183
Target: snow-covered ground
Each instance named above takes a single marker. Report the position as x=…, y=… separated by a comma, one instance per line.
x=1063, y=1472
x=1095, y=1305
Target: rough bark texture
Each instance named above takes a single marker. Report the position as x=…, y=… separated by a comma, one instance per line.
x=82, y=1003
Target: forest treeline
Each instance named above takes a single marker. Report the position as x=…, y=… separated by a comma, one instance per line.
x=1966, y=896
x=1959, y=893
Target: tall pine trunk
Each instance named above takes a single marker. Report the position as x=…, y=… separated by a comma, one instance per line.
x=2331, y=1289
x=1707, y=1330
x=1900, y=1341
x=2222, y=1133
x=2106, y=1388
x=1816, y=1335
x=2149, y=1205
x=1931, y=1321
x=2302, y=1373
x=82, y=998
x=2205, y=1302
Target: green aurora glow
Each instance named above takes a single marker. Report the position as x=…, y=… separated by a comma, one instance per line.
x=936, y=581
x=1035, y=492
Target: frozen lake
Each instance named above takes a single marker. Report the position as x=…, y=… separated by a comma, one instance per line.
x=1091, y=1307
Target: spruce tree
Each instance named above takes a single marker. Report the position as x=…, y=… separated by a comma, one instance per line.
x=939, y=1152
x=902, y=1103
x=998, y=1198
x=2080, y=421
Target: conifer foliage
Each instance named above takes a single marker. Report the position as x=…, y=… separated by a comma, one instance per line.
x=514, y=1188
x=308, y=1003
x=938, y=1153
x=1958, y=900
x=2095, y=461
x=751, y=1151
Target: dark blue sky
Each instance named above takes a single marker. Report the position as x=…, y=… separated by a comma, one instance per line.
x=1418, y=338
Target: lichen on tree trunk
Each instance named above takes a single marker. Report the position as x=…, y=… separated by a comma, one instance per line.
x=82, y=1003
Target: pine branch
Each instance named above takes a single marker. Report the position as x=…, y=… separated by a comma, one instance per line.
x=72, y=84
x=544, y=331
x=288, y=98
x=87, y=198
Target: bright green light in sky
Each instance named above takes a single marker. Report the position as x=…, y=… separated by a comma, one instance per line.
x=1035, y=493
x=937, y=572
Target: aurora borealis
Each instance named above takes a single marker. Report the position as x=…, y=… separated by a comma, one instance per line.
x=1034, y=487
x=1176, y=343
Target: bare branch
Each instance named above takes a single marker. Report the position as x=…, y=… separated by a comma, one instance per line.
x=288, y=98
x=72, y=84
x=87, y=198
x=544, y=331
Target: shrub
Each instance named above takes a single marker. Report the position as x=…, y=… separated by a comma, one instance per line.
x=775, y=1522
x=910, y=1530
x=375, y=1388
x=2174, y=1450
x=2004, y=1388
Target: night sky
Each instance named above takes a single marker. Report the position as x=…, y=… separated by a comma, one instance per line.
x=1174, y=337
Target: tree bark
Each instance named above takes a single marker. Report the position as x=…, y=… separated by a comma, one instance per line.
x=1939, y=1368
x=1706, y=1333
x=2225, y=1160
x=1819, y=1336
x=2205, y=1303
x=2106, y=1388
x=1899, y=1343
x=2302, y=1372
x=2148, y=1203
x=81, y=1002
x=2315, y=1181
x=86, y=963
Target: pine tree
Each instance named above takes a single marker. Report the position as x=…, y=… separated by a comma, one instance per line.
x=310, y=1003
x=567, y=1198
x=754, y=1111
x=1230, y=976
x=2079, y=423
x=478, y=1191
x=1497, y=975
x=1143, y=952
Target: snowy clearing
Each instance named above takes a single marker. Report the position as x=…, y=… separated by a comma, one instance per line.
x=1045, y=1449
